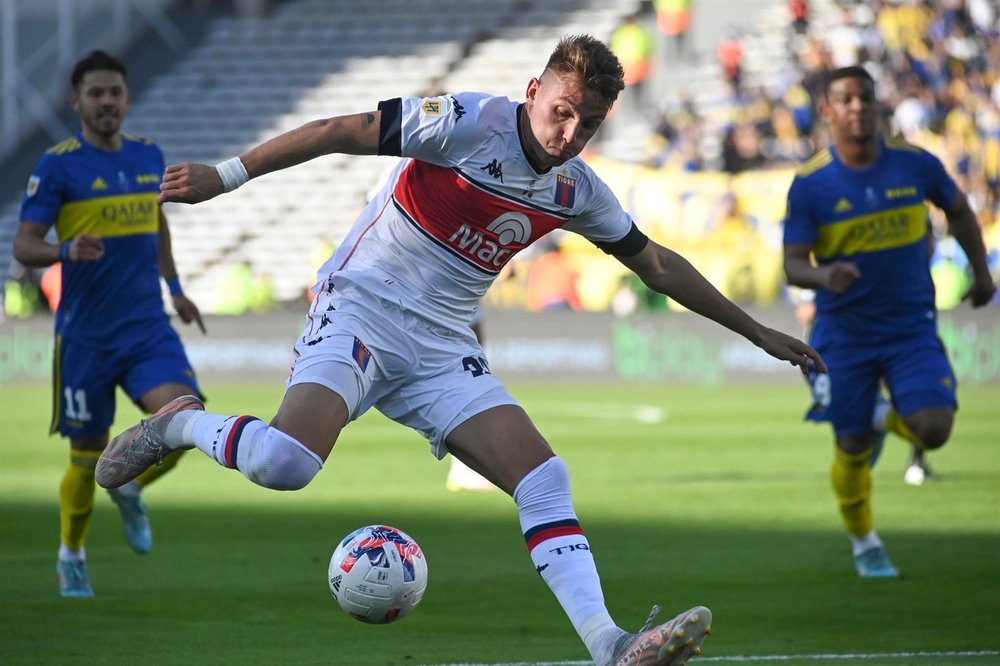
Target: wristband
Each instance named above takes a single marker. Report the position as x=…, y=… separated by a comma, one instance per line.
x=64, y=251
x=174, y=285
x=233, y=174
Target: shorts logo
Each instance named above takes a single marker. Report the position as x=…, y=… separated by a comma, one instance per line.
x=361, y=354
x=431, y=107
x=565, y=191
x=33, y=184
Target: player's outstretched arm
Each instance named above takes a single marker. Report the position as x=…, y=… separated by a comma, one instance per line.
x=186, y=309
x=965, y=228
x=668, y=273
x=356, y=134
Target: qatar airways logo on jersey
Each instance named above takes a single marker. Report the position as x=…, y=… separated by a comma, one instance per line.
x=510, y=228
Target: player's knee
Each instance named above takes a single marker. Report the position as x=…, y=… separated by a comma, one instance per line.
x=933, y=429
x=934, y=436
x=281, y=462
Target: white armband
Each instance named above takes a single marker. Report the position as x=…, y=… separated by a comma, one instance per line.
x=233, y=174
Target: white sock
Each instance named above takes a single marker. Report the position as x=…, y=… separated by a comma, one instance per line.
x=866, y=542
x=561, y=554
x=265, y=455
x=274, y=459
x=67, y=555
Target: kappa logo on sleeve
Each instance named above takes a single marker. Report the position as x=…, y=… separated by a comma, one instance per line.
x=33, y=184
x=457, y=108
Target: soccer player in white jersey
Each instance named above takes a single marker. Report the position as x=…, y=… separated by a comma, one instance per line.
x=483, y=178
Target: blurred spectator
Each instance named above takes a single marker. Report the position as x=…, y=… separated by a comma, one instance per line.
x=51, y=285
x=799, y=10
x=552, y=281
x=741, y=149
x=730, y=55
x=673, y=18
x=632, y=42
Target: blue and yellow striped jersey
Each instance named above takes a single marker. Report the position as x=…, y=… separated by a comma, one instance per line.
x=83, y=190
x=876, y=218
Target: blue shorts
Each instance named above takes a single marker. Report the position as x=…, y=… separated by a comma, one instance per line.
x=916, y=371
x=85, y=378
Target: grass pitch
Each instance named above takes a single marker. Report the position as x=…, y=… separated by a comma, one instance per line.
x=689, y=495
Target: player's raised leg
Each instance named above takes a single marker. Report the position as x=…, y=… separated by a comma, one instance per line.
x=503, y=445
x=284, y=456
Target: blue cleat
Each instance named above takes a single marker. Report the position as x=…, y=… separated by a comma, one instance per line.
x=875, y=563
x=73, y=581
x=135, y=522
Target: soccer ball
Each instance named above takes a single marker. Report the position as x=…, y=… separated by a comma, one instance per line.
x=378, y=574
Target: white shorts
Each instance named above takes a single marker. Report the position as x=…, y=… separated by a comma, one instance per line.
x=374, y=353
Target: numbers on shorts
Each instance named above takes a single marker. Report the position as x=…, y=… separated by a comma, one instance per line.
x=76, y=404
x=476, y=365
x=821, y=390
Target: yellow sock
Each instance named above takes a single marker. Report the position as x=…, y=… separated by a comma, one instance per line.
x=76, y=498
x=156, y=471
x=851, y=479
x=894, y=423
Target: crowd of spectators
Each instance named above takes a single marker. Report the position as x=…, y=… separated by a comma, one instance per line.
x=937, y=67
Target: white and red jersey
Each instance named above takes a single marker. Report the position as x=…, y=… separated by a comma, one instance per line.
x=461, y=205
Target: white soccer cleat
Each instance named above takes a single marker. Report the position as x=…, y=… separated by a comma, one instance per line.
x=141, y=446
x=669, y=644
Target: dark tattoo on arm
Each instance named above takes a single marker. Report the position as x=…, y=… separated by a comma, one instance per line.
x=367, y=120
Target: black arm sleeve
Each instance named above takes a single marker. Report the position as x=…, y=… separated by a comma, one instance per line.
x=390, y=130
x=629, y=246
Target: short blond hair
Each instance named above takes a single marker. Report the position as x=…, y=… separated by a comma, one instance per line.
x=592, y=62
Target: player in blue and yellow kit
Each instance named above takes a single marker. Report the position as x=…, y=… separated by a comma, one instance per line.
x=856, y=232
x=99, y=188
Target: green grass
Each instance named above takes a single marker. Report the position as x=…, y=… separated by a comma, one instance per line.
x=726, y=503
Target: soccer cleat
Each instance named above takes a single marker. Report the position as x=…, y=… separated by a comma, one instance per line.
x=875, y=563
x=917, y=472
x=73, y=580
x=135, y=522
x=669, y=644
x=141, y=446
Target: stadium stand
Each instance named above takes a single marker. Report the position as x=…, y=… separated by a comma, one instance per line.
x=251, y=78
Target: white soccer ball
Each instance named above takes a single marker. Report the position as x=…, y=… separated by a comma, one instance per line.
x=378, y=574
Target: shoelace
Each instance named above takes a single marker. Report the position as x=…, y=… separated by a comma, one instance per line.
x=147, y=442
x=649, y=620
x=626, y=639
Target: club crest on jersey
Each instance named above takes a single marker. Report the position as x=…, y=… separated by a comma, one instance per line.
x=33, y=184
x=431, y=107
x=565, y=191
